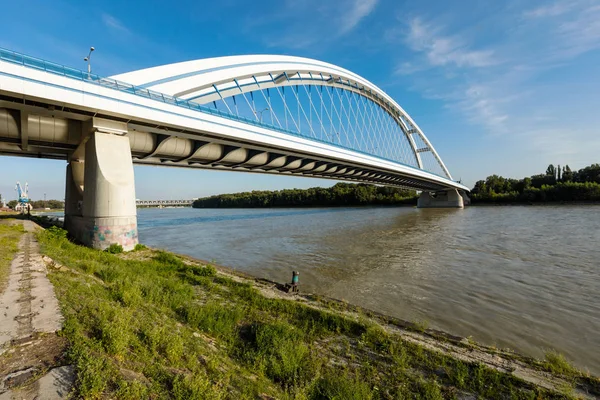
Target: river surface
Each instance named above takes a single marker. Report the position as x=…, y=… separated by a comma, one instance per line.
x=525, y=278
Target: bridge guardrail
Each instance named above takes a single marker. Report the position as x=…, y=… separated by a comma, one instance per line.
x=73, y=73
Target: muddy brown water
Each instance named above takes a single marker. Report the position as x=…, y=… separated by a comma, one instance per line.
x=525, y=278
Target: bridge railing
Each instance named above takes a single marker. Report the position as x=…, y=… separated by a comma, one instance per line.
x=73, y=73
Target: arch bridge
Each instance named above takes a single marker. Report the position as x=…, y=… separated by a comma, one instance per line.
x=256, y=113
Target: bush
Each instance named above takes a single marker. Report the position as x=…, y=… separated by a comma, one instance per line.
x=207, y=270
x=169, y=259
x=114, y=249
x=281, y=349
x=558, y=364
x=341, y=386
x=139, y=247
x=55, y=232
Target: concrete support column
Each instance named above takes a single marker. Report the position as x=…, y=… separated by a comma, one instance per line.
x=448, y=199
x=73, y=194
x=106, y=212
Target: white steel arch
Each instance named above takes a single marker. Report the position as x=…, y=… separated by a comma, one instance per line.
x=216, y=79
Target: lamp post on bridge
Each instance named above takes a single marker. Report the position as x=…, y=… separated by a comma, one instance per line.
x=261, y=113
x=88, y=59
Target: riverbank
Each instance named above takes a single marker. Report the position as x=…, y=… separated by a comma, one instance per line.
x=154, y=322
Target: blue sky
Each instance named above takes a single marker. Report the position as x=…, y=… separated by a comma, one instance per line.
x=503, y=87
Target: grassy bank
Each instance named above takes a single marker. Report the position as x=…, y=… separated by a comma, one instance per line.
x=9, y=239
x=150, y=324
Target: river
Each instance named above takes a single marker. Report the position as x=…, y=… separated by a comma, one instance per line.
x=525, y=278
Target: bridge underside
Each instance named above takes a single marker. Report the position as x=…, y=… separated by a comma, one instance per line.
x=42, y=131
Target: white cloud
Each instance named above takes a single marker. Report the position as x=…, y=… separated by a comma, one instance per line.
x=359, y=10
x=114, y=24
x=551, y=10
x=407, y=68
x=302, y=24
x=581, y=33
x=441, y=50
x=502, y=86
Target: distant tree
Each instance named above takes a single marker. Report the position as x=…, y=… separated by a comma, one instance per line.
x=588, y=174
x=567, y=175
x=12, y=204
x=551, y=173
x=479, y=188
x=341, y=194
x=558, y=184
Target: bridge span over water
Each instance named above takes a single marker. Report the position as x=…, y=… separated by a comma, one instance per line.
x=263, y=114
x=164, y=203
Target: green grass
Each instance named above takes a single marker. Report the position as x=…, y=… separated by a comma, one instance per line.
x=558, y=364
x=163, y=327
x=9, y=245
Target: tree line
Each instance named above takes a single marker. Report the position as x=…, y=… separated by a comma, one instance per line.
x=341, y=194
x=556, y=185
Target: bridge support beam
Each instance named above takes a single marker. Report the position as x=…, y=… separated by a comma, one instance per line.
x=100, y=207
x=447, y=199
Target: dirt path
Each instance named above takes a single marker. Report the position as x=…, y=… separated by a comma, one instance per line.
x=29, y=319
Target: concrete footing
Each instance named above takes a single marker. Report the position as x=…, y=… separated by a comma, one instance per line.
x=447, y=199
x=100, y=205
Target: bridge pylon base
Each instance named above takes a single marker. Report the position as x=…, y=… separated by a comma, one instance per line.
x=447, y=199
x=100, y=207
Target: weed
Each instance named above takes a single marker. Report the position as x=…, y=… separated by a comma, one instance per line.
x=421, y=325
x=212, y=318
x=114, y=248
x=558, y=364
x=139, y=247
x=169, y=260
x=341, y=387
x=195, y=387
x=283, y=353
x=376, y=338
x=55, y=232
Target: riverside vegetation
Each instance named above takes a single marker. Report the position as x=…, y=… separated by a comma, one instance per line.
x=151, y=324
x=556, y=185
x=339, y=195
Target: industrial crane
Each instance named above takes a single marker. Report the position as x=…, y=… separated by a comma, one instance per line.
x=23, y=199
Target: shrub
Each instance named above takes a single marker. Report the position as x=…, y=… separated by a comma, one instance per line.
x=558, y=364
x=341, y=386
x=114, y=249
x=55, y=232
x=207, y=270
x=283, y=352
x=139, y=247
x=169, y=259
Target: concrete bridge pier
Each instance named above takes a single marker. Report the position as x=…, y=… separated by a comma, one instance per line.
x=100, y=207
x=446, y=199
